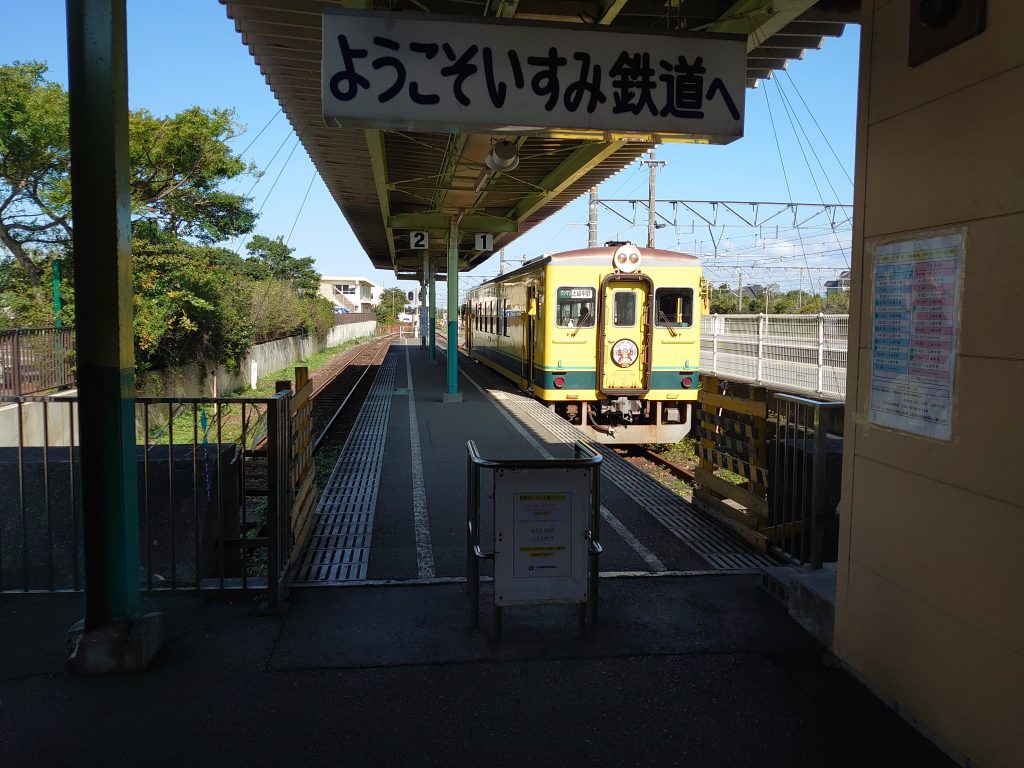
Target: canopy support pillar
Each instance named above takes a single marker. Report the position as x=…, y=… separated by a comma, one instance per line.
x=453, y=395
x=114, y=636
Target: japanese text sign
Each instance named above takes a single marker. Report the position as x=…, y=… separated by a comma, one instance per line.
x=414, y=72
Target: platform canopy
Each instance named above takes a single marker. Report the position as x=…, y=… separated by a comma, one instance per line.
x=392, y=181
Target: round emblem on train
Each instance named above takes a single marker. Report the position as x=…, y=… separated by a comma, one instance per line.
x=624, y=353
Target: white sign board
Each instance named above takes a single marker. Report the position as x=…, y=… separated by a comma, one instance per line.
x=540, y=545
x=418, y=241
x=412, y=71
x=916, y=316
x=484, y=241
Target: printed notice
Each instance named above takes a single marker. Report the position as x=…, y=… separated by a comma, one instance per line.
x=916, y=314
x=542, y=535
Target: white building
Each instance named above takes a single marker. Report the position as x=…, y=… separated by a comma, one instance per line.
x=353, y=294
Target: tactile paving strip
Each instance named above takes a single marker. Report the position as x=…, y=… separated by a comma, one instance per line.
x=338, y=549
x=721, y=550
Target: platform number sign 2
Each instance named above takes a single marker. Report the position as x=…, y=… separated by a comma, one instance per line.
x=484, y=241
x=418, y=241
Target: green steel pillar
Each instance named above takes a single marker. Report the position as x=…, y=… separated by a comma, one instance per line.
x=453, y=395
x=101, y=207
x=56, y=293
x=423, y=303
x=114, y=636
x=432, y=315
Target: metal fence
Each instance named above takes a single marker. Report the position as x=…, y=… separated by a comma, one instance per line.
x=36, y=360
x=805, y=471
x=804, y=354
x=215, y=484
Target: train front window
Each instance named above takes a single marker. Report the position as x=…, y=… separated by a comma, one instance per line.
x=673, y=307
x=625, y=309
x=575, y=308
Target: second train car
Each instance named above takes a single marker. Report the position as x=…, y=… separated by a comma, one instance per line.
x=608, y=337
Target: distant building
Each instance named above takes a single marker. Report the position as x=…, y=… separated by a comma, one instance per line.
x=353, y=294
x=840, y=285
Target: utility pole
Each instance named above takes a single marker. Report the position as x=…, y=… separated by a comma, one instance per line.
x=592, y=220
x=739, y=293
x=654, y=165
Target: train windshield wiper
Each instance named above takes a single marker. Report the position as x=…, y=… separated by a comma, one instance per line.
x=664, y=318
x=583, y=319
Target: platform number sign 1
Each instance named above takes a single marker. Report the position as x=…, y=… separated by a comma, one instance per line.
x=484, y=241
x=418, y=241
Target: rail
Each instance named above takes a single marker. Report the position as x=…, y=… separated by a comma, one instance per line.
x=34, y=360
x=802, y=354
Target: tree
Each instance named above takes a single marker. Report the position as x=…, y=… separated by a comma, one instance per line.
x=178, y=167
x=189, y=304
x=272, y=259
x=34, y=156
x=392, y=302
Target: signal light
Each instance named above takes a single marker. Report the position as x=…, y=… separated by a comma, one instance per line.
x=559, y=382
x=687, y=381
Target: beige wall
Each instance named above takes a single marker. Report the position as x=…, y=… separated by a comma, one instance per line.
x=931, y=576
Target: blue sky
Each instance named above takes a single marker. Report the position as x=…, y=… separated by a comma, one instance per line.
x=187, y=53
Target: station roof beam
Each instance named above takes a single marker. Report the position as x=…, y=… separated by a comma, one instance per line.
x=386, y=180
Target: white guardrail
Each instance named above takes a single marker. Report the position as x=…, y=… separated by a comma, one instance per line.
x=802, y=354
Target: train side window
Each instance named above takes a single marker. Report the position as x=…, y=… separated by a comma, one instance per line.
x=625, y=308
x=673, y=307
x=504, y=317
x=575, y=308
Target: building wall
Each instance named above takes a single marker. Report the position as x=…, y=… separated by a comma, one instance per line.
x=930, y=603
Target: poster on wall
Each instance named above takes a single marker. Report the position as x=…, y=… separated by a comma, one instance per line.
x=915, y=320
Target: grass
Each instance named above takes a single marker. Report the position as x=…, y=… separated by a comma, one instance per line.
x=265, y=385
x=188, y=419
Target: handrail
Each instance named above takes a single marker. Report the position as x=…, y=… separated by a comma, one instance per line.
x=809, y=401
x=592, y=457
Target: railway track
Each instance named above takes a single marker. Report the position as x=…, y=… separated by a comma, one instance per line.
x=681, y=472
x=342, y=383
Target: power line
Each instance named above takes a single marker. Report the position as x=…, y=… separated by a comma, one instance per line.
x=249, y=146
x=272, y=159
x=836, y=156
x=271, y=190
x=777, y=145
x=303, y=205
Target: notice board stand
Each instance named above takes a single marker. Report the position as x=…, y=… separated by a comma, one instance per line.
x=546, y=520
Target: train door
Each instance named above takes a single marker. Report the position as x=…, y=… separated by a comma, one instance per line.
x=529, y=355
x=624, y=362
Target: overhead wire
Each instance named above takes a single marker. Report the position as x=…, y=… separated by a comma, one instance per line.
x=249, y=145
x=825, y=137
x=301, y=206
x=271, y=190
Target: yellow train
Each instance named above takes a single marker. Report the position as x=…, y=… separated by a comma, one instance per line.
x=608, y=337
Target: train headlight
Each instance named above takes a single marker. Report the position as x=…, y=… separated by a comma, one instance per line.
x=626, y=258
x=624, y=353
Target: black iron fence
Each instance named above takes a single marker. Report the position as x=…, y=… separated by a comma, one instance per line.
x=36, y=360
x=805, y=469
x=216, y=490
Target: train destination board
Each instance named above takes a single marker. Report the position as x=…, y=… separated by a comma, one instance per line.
x=916, y=314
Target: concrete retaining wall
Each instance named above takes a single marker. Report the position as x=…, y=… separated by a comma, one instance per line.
x=204, y=380
x=188, y=381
